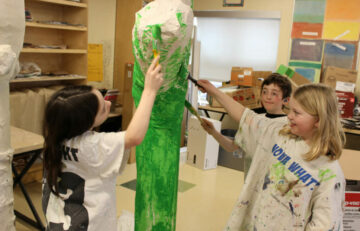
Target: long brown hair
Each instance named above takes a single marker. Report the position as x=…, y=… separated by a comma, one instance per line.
x=69, y=113
x=320, y=101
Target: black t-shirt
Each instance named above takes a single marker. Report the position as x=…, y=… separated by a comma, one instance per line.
x=272, y=116
x=262, y=110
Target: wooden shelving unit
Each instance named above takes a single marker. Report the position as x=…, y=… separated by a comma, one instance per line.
x=83, y=4
x=58, y=27
x=53, y=51
x=47, y=78
x=56, y=23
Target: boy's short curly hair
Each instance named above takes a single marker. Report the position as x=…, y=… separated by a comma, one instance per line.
x=282, y=82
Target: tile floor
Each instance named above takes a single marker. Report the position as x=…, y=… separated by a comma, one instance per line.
x=205, y=206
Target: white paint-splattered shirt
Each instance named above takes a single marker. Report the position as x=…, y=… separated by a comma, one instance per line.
x=92, y=161
x=282, y=191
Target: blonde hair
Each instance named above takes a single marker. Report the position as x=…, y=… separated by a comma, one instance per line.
x=320, y=101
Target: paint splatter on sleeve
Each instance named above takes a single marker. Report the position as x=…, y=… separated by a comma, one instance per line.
x=252, y=130
x=327, y=205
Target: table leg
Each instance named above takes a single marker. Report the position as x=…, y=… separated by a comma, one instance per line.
x=17, y=180
x=207, y=114
x=222, y=116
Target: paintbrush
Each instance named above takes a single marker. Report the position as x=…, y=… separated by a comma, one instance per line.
x=156, y=34
x=194, y=81
x=192, y=110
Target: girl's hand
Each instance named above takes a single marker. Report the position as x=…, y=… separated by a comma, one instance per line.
x=208, y=126
x=206, y=86
x=154, y=77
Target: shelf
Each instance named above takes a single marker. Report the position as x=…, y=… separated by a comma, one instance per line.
x=353, y=131
x=52, y=26
x=117, y=112
x=64, y=2
x=53, y=51
x=46, y=78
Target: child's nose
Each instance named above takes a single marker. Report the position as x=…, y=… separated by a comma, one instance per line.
x=289, y=115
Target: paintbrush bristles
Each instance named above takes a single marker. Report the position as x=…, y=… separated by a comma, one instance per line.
x=192, y=110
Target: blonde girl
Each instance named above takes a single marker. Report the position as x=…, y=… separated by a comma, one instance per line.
x=295, y=181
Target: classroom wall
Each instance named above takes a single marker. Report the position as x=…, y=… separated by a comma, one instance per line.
x=102, y=31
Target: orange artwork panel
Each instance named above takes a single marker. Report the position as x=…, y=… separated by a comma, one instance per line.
x=342, y=10
x=307, y=30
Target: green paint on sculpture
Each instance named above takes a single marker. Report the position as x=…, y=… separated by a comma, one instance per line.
x=157, y=158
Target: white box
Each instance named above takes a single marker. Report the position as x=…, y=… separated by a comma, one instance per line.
x=183, y=155
x=203, y=149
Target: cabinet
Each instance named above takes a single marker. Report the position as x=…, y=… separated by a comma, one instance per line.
x=60, y=23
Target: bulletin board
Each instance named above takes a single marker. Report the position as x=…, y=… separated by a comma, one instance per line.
x=324, y=33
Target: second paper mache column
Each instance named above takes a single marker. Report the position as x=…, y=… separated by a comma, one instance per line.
x=162, y=27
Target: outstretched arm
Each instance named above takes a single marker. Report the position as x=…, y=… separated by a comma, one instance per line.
x=224, y=141
x=139, y=123
x=234, y=108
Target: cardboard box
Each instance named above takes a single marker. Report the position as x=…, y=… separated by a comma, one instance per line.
x=295, y=78
x=244, y=95
x=242, y=76
x=203, y=149
x=340, y=79
x=346, y=101
x=260, y=76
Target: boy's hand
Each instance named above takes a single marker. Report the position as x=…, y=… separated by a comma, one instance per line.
x=206, y=86
x=154, y=77
x=208, y=126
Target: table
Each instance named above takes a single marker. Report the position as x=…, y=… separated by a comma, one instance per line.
x=26, y=143
x=208, y=108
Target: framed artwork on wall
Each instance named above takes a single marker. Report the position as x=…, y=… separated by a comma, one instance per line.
x=233, y=3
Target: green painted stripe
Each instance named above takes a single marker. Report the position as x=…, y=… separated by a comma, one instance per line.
x=304, y=64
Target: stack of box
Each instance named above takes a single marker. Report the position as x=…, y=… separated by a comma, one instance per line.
x=246, y=76
x=244, y=87
x=247, y=96
x=343, y=81
x=241, y=76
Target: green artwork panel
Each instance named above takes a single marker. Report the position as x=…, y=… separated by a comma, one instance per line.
x=311, y=11
x=166, y=27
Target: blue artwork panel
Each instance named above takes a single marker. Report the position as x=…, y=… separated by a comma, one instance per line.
x=306, y=72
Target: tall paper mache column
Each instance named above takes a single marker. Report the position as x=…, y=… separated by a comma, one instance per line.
x=12, y=28
x=164, y=26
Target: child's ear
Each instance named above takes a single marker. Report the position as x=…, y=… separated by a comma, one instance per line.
x=286, y=100
x=316, y=124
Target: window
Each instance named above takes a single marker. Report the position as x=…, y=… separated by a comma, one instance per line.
x=227, y=39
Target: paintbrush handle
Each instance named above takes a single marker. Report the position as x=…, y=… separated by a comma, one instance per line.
x=192, y=110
